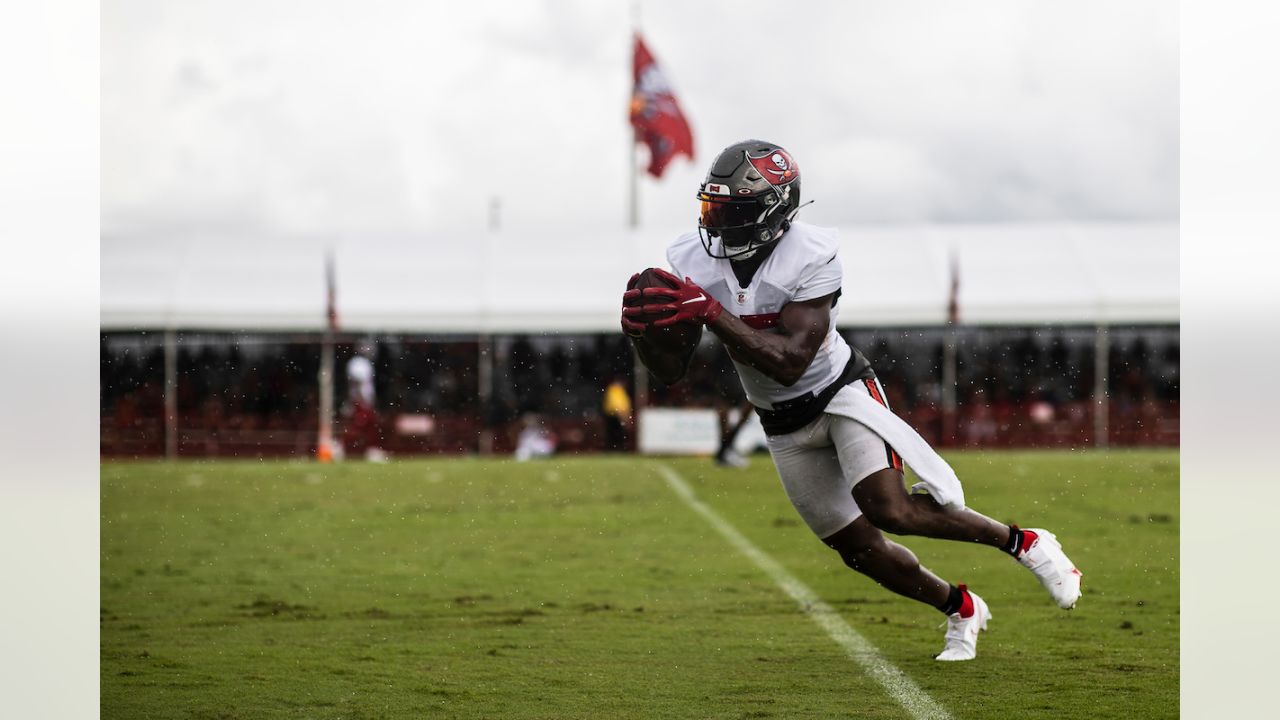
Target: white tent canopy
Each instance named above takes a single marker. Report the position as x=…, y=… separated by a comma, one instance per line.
x=537, y=282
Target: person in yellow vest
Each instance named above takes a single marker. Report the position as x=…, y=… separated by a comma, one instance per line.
x=617, y=415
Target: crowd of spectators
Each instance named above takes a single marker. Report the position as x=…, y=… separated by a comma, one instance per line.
x=262, y=388
x=1012, y=365
x=1032, y=386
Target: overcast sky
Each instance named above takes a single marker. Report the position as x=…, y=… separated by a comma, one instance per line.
x=325, y=116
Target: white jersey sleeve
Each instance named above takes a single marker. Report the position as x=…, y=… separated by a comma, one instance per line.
x=824, y=274
x=821, y=280
x=687, y=258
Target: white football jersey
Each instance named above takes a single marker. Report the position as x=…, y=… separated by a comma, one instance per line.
x=804, y=265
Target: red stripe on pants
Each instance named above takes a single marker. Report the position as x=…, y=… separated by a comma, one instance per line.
x=894, y=461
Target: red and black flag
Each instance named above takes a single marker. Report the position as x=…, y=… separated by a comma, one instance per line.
x=655, y=114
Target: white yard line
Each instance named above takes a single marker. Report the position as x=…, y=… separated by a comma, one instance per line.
x=899, y=686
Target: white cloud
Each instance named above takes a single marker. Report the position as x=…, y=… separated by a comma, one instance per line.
x=348, y=117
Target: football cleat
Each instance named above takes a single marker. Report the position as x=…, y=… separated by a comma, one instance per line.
x=1043, y=556
x=962, y=630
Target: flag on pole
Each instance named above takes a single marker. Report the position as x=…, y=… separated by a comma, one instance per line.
x=655, y=114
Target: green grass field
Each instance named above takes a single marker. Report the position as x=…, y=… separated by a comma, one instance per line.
x=585, y=588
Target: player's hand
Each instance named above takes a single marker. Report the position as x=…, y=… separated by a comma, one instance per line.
x=686, y=302
x=633, y=328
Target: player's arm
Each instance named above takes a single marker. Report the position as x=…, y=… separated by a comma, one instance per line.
x=666, y=363
x=783, y=355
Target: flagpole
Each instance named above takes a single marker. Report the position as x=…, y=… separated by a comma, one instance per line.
x=639, y=372
x=633, y=216
x=949, y=360
x=633, y=198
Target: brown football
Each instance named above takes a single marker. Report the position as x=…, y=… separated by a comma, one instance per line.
x=680, y=337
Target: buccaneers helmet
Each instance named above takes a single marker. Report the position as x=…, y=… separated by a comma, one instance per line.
x=749, y=198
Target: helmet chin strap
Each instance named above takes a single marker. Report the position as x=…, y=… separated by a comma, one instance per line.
x=754, y=248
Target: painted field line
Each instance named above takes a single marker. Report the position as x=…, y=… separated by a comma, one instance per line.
x=898, y=685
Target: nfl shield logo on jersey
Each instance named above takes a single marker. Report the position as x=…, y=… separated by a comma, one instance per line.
x=742, y=297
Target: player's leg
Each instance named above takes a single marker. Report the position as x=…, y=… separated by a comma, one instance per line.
x=884, y=499
x=730, y=434
x=864, y=548
x=861, y=454
x=818, y=486
x=816, y=476
x=726, y=454
x=876, y=473
x=810, y=472
x=889, y=507
x=894, y=567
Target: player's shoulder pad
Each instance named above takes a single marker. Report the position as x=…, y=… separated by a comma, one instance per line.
x=804, y=250
x=818, y=243
x=686, y=254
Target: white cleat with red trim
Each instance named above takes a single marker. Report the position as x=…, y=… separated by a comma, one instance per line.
x=963, y=627
x=1042, y=555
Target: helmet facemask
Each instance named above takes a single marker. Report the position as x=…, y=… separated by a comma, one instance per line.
x=744, y=225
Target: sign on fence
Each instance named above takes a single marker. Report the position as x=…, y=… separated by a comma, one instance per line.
x=678, y=431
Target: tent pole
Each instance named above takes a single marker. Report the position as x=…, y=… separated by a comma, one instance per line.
x=325, y=450
x=1101, y=401
x=170, y=394
x=324, y=446
x=949, y=387
x=484, y=391
x=641, y=385
x=641, y=401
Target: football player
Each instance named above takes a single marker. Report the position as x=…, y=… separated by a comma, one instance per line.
x=769, y=287
x=363, y=431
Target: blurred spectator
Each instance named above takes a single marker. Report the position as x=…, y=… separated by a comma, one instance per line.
x=617, y=415
x=731, y=425
x=1167, y=376
x=257, y=392
x=363, y=432
x=981, y=426
x=534, y=441
x=524, y=366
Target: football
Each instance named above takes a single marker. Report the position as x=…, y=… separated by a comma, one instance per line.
x=679, y=338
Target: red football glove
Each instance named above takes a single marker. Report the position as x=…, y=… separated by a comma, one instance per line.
x=686, y=302
x=631, y=327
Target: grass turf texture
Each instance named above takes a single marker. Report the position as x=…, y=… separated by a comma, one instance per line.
x=583, y=587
